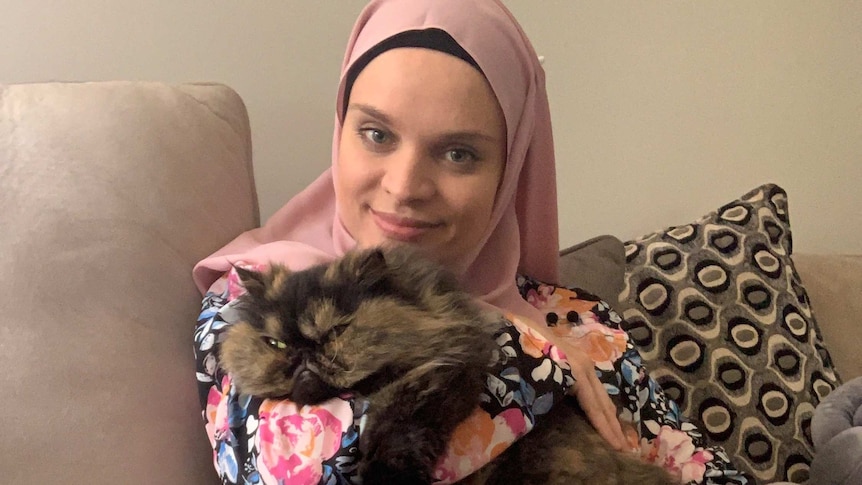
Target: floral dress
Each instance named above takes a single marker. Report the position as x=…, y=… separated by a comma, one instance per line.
x=270, y=441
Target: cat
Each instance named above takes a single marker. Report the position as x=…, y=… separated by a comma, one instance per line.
x=390, y=327
x=399, y=331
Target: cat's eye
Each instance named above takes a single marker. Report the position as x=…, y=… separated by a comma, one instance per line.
x=275, y=343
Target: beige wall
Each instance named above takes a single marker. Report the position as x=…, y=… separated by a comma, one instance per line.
x=662, y=110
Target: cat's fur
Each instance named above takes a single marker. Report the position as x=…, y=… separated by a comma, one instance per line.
x=394, y=329
x=397, y=330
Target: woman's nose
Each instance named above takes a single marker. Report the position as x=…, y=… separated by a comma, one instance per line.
x=408, y=177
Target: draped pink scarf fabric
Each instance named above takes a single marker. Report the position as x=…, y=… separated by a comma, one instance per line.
x=523, y=234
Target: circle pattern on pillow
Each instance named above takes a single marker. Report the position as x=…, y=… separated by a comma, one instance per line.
x=724, y=322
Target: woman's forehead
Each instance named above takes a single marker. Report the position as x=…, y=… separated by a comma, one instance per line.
x=417, y=83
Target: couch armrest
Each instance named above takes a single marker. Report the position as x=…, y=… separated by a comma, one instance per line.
x=110, y=192
x=834, y=285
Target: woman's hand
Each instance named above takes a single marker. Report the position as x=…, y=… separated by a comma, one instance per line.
x=589, y=391
x=593, y=397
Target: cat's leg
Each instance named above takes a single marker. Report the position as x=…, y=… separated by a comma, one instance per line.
x=410, y=422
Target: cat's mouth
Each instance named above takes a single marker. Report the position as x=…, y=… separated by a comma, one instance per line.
x=309, y=388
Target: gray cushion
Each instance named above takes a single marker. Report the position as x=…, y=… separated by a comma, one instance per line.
x=596, y=265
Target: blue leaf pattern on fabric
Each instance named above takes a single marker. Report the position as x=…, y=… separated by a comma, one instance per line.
x=511, y=373
x=543, y=404
x=227, y=463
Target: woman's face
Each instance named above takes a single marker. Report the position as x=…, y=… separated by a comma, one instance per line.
x=422, y=152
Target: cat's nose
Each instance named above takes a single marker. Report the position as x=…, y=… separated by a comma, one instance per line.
x=301, y=373
x=303, y=377
x=305, y=380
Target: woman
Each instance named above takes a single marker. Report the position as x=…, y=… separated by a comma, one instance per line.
x=442, y=141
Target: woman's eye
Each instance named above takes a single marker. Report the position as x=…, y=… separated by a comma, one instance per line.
x=460, y=156
x=378, y=137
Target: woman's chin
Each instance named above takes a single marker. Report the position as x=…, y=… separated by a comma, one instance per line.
x=422, y=247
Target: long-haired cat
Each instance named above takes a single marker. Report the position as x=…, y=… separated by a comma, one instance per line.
x=391, y=327
x=396, y=329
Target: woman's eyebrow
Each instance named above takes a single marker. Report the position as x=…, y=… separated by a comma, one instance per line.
x=370, y=111
x=468, y=137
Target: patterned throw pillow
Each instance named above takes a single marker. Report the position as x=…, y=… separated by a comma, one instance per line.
x=724, y=322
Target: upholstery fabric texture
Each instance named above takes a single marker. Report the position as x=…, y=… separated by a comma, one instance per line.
x=726, y=325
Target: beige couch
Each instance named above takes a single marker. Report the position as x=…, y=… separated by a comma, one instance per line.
x=110, y=192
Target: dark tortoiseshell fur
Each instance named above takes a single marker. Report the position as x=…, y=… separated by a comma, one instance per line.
x=390, y=326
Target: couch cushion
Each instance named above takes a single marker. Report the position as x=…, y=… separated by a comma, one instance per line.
x=724, y=321
x=596, y=265
x=110, y=193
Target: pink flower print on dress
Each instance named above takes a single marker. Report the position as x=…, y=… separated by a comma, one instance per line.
x=295, y=441
x=216, y=412
x=543, y=297
x=674, y=451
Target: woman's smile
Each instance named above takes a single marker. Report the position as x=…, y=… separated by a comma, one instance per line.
x=401, y=228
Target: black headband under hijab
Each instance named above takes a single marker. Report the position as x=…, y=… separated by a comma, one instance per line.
x=434, y=39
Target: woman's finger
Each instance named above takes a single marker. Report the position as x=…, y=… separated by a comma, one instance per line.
x=618, y=438
x=596, y=403
x=589, y=403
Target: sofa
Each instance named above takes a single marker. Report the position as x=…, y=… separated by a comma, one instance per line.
x=110, y=192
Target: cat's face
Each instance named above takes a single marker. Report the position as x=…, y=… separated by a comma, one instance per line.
x=291, y=338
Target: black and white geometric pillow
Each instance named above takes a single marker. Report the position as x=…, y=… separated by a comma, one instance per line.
x=725, y=325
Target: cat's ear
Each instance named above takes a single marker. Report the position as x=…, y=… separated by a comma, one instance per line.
x=253, y=281
x=372, y=266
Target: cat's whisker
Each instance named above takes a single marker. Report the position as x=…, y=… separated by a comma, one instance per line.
x=337, y=345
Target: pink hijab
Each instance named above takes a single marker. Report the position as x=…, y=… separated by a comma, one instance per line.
x=523, y=234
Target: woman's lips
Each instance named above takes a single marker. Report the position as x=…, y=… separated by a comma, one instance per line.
x=402, y=228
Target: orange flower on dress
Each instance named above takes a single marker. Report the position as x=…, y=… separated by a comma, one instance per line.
x=531, y=341
x=602, y=344
x=568, y=301
x=535, y=345
x=478, y=440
